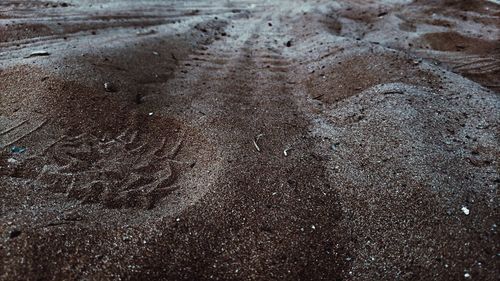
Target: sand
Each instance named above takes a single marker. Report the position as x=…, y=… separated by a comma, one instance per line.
x=239, y=140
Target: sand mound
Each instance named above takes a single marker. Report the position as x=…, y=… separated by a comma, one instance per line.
x=407, y=159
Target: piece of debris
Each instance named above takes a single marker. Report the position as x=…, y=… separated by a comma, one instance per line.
x=17, y=149
x=256, y=140
x=148, y=32
x=288, y=43
x=156, y=53
x=150, y=114
x=334, y=146
x=465, y=210
x=318, y=97
x=285, y=152
x=109, y=87
x=270, y=23
x=466, y=275
x=38, y=54
x=395, y=92
x=11, y=161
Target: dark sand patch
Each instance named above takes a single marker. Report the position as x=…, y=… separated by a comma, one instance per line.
x=455, y=42
x=350, y=76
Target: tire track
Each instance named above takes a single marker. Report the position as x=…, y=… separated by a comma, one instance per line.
x=275, y=199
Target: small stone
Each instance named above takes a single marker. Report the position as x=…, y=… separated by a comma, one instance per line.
x=150, y=114
x=288, y=43
x=467, y=275
x=465, y=210
x=109, y=87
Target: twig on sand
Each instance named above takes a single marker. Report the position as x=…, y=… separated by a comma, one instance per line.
x=255, y=140
x=394, y=92
x=318, y=97
x=285, y=152
x=37, y=54
x=146, y=32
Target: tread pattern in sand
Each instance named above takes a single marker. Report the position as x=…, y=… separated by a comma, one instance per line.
x=124, y=171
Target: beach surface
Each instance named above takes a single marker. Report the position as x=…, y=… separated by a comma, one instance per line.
x=249, y=140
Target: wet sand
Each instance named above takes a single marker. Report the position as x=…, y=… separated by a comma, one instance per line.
x=270, y=140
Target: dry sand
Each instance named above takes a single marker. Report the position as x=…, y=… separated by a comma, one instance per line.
x=240, y=140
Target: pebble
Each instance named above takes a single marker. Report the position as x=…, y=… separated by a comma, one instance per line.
x=465, y=210
x=109, y=87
